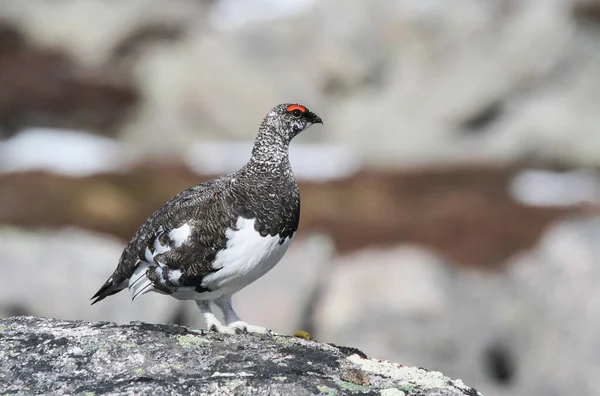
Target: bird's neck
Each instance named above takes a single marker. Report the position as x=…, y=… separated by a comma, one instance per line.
x=270, y=152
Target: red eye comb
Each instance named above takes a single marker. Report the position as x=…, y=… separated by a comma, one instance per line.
x=296, y=107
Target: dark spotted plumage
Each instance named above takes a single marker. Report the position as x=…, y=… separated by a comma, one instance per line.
x=264, y=190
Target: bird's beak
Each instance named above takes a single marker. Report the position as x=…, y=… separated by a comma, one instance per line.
x=315, y=119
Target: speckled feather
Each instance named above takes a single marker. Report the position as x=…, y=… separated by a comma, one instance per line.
x=264, y=189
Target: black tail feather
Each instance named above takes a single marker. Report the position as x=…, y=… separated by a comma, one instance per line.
x=108, y=289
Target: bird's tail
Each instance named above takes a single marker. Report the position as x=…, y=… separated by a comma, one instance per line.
x=108, y=289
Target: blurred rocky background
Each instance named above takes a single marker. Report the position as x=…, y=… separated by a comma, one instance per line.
x=450, y=213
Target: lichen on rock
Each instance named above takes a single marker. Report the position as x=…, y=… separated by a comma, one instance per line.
x=51, y=356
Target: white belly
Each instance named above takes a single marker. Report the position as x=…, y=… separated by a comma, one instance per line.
x=248, y=256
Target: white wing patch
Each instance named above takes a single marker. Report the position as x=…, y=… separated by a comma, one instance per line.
x=139, y=284
x=180, y=235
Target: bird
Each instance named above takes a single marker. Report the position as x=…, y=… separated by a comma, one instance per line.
x=215, y=238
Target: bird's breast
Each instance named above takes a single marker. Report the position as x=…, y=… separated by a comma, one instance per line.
x=248, y=256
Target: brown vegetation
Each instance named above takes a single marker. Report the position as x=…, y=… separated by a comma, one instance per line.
x=465, y=214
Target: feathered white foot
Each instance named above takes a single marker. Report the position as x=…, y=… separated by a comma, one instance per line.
x=234, y=324
x=212, y=323
x=246, y=328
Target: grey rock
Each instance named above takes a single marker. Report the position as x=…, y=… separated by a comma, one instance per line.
x=49, y=356
x=506, y=332
x=400, y=82
x=556, y=290
x=399, y=304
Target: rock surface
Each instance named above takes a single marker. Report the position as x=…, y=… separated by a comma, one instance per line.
x=505, y=333
x=49, y=356
x=404, y=82
x=44, y=87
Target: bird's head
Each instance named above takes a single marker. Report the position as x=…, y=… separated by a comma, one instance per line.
x=291, y=119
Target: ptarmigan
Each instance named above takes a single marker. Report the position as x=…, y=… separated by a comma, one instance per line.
x=211, y=240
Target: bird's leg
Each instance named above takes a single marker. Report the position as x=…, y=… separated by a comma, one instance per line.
x=212, y=323
x=233, y=321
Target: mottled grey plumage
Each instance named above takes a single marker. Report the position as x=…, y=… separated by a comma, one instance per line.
x=264, y=190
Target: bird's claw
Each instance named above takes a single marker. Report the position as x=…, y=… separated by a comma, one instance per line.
x=219, y=328
x=239, y=330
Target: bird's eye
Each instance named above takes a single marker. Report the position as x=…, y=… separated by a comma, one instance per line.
x=296, y=113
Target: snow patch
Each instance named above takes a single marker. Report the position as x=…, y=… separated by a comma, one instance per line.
x=549, y=188
x=232, y=14
x=66, y=152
